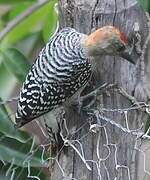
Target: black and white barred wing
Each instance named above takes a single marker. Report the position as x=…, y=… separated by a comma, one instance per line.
x=40, y=100
x=59, y=71
x=40, y=97
x=77, y=76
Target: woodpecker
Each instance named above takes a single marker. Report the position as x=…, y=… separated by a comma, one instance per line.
x=64, y=67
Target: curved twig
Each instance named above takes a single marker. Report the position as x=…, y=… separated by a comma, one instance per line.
x=21, y=17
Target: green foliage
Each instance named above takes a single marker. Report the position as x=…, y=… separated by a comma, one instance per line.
x=16, y=62
x=7, y=127
x=52, y=18
x=145, y=4
x=32, y=23
x=6, y=80
x=17, y=146
x=26, y=36
x=14, y=1
x=29, y=43
x=20, y=152
x=20, y=173
x=17, y=49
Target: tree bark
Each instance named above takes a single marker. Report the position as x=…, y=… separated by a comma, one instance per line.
x=115, y=156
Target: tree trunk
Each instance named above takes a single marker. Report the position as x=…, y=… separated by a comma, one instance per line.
x=110, y=152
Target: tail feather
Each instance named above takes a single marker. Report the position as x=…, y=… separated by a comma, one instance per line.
x=20, y=120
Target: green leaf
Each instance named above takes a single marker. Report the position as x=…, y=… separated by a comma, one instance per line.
x=32, y=23
x=28, y=44
x=145, y=4
x=16, y=62
x=20, y=154
x=52, y=21
x=7, y=126
x=18, y=8
x=13, y=1
x=6, y=80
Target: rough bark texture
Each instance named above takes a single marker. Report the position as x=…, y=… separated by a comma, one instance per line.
x=86, y=16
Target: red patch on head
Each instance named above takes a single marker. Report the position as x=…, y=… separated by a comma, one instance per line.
x=105, y=33
x=123, y=37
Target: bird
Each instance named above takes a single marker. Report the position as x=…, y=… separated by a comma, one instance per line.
x=64, y=67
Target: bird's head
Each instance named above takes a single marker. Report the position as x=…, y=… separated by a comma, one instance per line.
x=108, y=40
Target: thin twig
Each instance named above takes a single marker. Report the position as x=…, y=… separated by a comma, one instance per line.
x=10, y=100
x=128, y=96
x=21, y=17
x=98, y=91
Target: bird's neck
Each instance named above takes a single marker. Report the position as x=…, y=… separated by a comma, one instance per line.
x=90, y=49
x=91, y=53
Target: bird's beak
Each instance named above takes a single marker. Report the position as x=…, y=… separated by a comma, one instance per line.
x=129, y=55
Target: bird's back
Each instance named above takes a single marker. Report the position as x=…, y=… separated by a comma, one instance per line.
x=59, y=71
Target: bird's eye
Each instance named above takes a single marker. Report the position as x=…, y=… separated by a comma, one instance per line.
x=119, y=47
